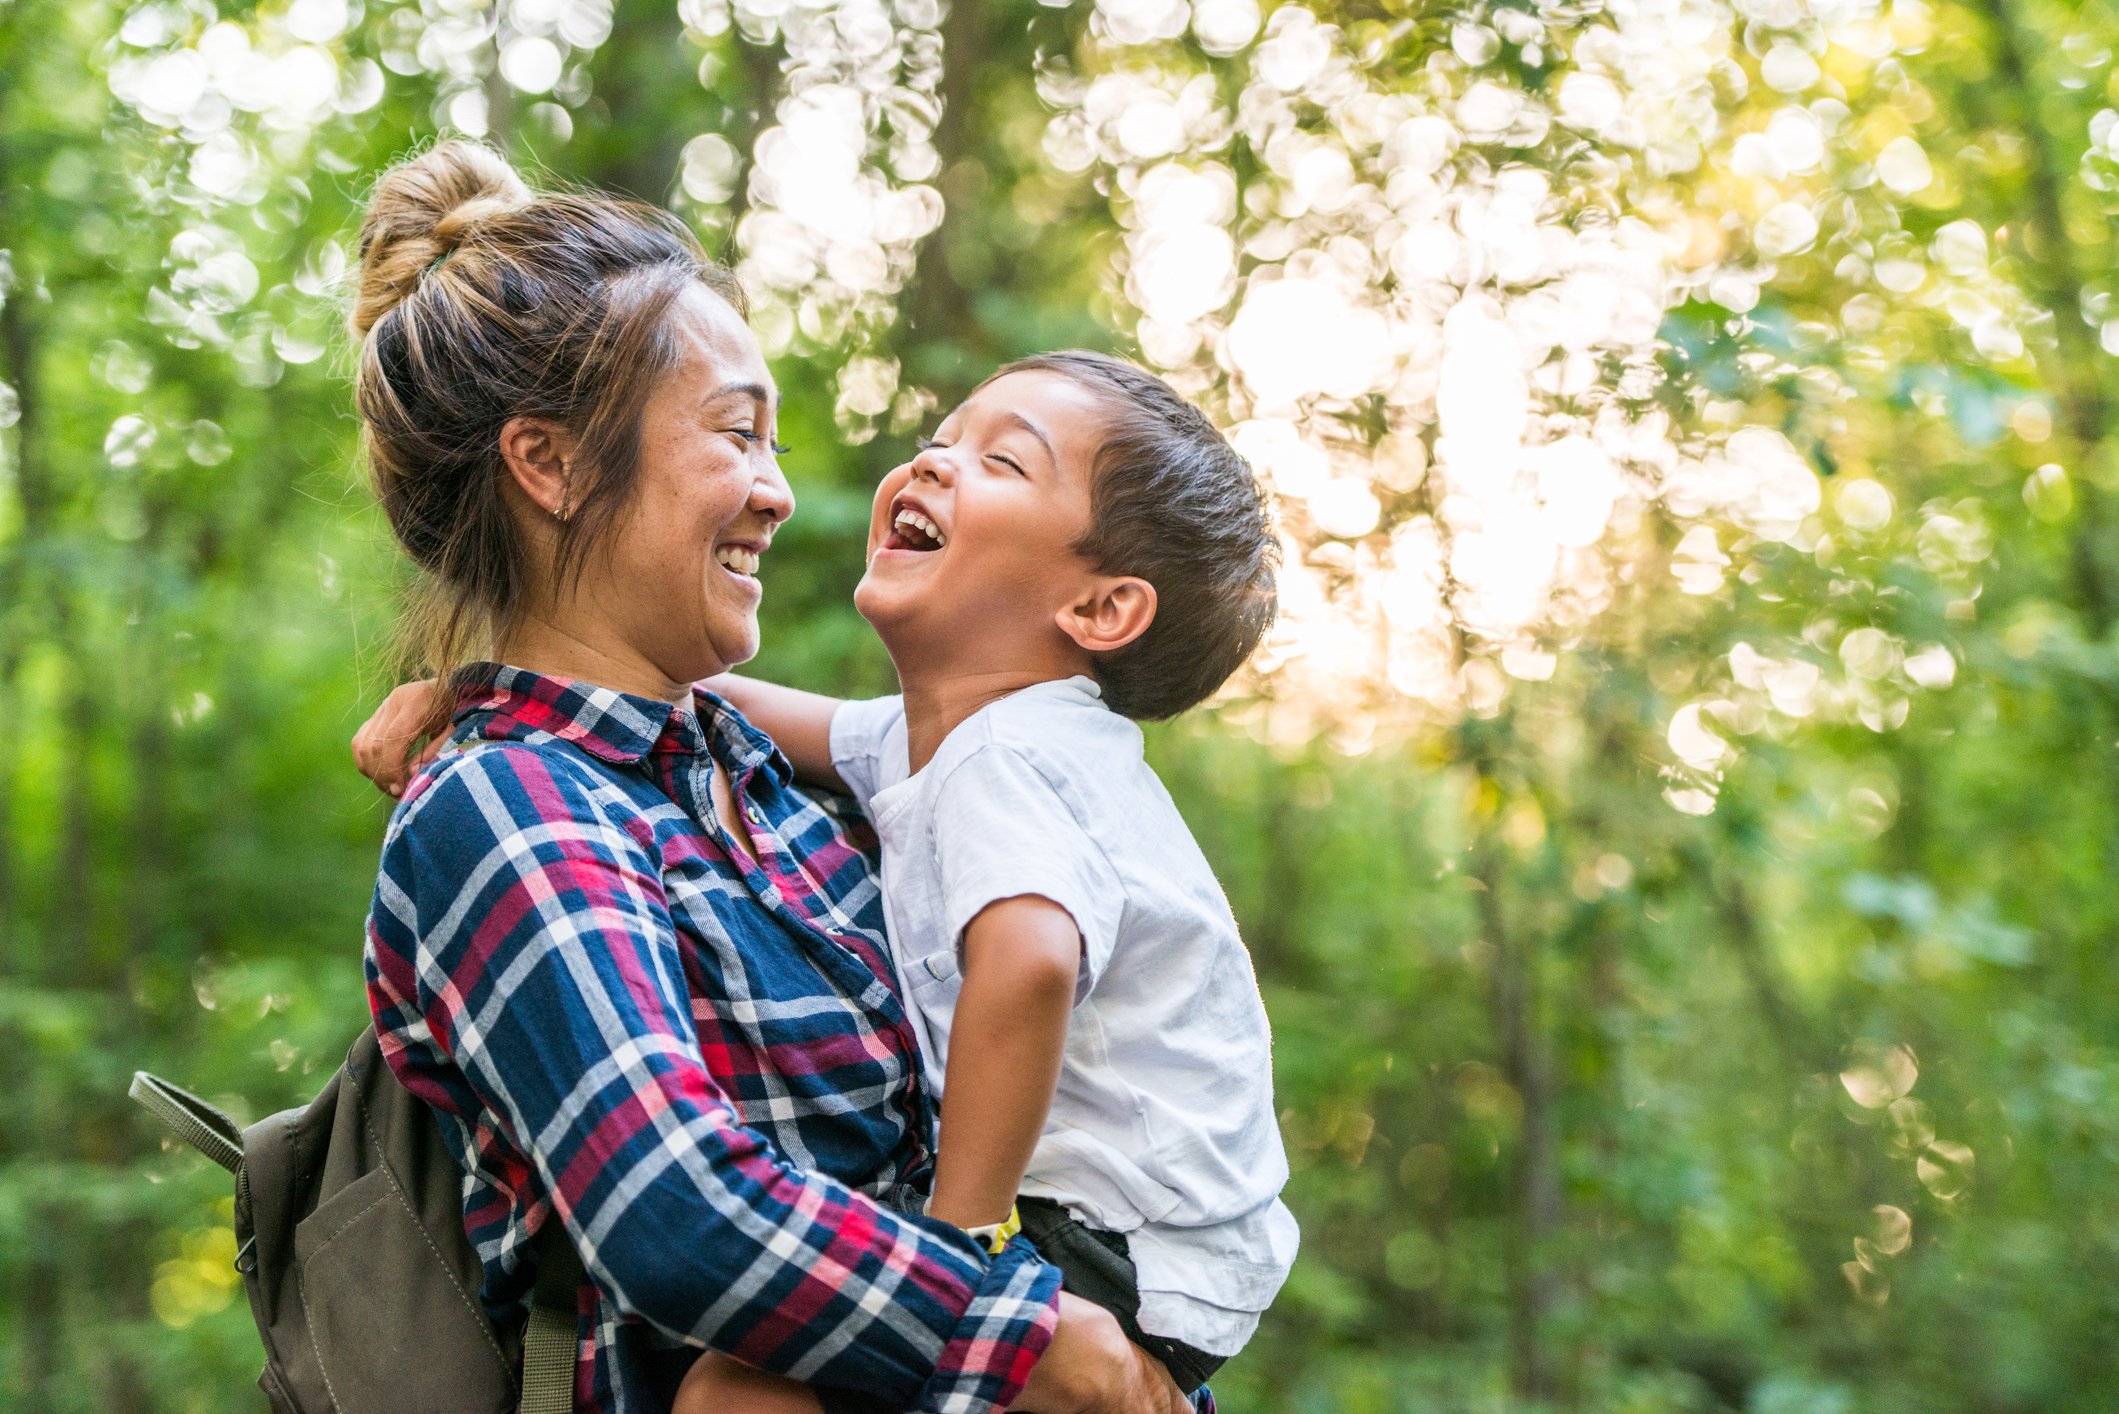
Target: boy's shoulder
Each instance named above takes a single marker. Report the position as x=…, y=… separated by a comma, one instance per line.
x=1073, y=707
x=1056, y=741
x=1061, y=726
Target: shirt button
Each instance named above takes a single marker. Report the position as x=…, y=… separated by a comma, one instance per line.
x=756, y=816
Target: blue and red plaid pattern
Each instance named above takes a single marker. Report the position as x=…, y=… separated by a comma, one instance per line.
x=699, y=1061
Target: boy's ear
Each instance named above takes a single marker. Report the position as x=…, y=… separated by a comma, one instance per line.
x=1110, y=614
x=539, y=455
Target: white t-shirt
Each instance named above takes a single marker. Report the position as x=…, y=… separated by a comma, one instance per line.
x=1162, y=1126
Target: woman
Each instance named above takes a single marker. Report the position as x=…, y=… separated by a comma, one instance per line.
x=640, y=977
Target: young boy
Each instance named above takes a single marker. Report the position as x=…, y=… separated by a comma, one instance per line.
x=1076, y=548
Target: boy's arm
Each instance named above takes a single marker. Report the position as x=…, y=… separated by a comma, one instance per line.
x=1022, y=957
x=798, y=722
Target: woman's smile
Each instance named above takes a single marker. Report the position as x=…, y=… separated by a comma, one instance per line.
x=738, y=562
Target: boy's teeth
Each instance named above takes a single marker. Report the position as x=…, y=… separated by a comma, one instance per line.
x=735, y=557
x=922, y=524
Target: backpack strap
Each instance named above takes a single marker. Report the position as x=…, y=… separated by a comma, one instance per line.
x=552, y=1340
x=203, y=1126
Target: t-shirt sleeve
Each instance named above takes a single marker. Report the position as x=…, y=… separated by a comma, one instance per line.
x=1004, y=829
x=858, y=731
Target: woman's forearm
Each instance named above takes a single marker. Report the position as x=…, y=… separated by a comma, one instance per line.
x=1091, y=1368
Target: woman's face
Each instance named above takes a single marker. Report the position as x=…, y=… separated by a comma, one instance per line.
x=677, y=578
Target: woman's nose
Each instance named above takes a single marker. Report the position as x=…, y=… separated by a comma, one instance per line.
x=770, y=495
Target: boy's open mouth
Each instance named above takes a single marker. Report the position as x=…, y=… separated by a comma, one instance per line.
x=913, y=529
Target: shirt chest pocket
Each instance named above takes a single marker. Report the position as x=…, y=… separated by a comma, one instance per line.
x=936, y=975
x=931, y=987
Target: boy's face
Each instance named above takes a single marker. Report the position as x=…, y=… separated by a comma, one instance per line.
x=970, y=544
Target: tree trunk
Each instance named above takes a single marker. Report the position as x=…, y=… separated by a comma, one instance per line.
x=1738, y=915
x=2075, y=371
x=1281, y=876
x=19, y=371
x=500, y=96
x=935, y=311
x=761, y=72
x=43, y=1327
x=658, y=106
x=74, y=871
x=152, y=865
x=1528, y=1067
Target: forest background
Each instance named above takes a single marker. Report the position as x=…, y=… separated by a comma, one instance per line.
x=1674, y=821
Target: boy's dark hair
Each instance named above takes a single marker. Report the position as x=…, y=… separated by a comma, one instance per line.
x=1173, y=503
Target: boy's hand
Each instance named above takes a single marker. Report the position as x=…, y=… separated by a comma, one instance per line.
x=383, y=747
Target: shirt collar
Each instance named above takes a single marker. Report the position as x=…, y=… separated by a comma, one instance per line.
x=499, y=703
x=739, y=743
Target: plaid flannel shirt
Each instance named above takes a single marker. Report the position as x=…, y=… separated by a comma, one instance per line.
x=698, y=1062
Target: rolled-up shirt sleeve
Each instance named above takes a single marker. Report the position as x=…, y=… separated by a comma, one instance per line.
x=860, y=734
x=520, y=929
x=1003, y=830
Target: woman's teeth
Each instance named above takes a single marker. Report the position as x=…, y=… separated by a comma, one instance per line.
x=736, y=558
x=911, y=520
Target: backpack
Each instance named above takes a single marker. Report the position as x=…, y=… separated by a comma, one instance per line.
x=350, y=1238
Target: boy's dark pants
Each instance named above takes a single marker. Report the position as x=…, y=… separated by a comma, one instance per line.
x=1096, y=1266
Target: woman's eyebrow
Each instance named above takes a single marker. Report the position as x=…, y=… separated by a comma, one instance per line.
x=756, y=392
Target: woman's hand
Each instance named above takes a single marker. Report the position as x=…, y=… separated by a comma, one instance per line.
x=1091, y=1368
x=383, y=747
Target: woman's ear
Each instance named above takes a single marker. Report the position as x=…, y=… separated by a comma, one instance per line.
x=1110, y=614
x=539, y=455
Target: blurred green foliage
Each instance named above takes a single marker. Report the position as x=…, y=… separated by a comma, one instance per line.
x=1807, y=1105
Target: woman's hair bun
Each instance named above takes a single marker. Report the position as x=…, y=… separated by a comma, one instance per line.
x=420, y=211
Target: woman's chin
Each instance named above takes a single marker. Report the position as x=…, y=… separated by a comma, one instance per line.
x=733, y=649
x=728, y=640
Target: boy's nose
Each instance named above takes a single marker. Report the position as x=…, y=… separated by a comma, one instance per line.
x=933, y=463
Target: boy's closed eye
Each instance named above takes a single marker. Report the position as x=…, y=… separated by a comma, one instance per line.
x=1002, y=458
